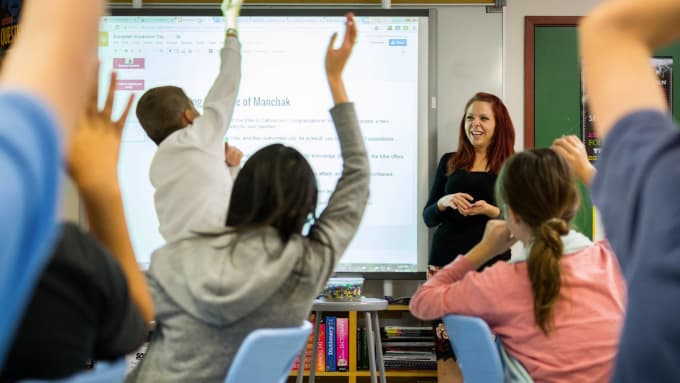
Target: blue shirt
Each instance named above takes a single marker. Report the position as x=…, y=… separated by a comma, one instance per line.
x=30, y=161
x=637, y=189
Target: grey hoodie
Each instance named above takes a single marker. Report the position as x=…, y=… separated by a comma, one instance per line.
x=209, y=295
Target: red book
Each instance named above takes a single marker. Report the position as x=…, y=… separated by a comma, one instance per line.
x=321, y=349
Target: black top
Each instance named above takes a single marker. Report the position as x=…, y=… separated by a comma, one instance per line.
x=80, y=310
x=456, y=234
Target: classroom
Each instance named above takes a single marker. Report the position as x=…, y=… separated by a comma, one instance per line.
x=339, y=191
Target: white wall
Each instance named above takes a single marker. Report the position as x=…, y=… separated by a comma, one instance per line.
x=470, y=57
x=513, y=42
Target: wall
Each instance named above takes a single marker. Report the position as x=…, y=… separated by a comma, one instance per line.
x=469, y=60
x=513, y=42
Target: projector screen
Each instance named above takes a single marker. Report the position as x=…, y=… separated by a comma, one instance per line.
x=284, y=97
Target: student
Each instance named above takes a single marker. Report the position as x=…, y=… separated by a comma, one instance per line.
x=560, y=311
x=88, y=304
x=636, y=188
x=462, y=199
x=261, y=270
x=192, y=184
x=41, y=94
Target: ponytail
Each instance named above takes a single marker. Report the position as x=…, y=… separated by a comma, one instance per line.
x=544, y=269
x=539, y=187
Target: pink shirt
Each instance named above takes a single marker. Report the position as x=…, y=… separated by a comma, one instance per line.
x=587, y=318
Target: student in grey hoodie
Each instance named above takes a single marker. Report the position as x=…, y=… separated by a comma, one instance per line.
x=260, y=270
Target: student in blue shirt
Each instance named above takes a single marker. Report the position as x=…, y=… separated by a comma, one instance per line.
x=41, y=95
x=91, y=301
x=638, y=180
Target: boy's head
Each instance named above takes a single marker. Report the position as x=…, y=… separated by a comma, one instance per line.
x=164, y=110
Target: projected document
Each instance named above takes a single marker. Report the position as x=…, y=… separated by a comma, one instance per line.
x=284, y=98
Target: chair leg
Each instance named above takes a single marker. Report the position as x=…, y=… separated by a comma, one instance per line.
x=378, y=347
x=312, y=363
x=301, y=365
x=371, y=347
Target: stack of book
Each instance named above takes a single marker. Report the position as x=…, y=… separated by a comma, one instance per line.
x=408, y=348
x=332, y=348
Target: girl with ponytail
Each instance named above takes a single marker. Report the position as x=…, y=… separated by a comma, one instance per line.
x=558, y=307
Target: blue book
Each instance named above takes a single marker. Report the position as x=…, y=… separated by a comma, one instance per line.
x=330, y=344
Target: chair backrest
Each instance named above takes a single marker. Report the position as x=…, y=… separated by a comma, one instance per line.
x=267, y=355
x=103, y=372
x=475, y=349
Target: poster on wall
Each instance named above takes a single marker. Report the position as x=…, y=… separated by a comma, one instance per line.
x=664, y=72
x=9, y=22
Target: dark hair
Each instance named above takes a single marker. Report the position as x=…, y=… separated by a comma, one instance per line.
x=276, y=187
x=539, y=186
x=502, y=142
x=3, y=54
x=160, y=111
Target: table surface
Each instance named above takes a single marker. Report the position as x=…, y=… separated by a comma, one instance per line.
x=366, y=304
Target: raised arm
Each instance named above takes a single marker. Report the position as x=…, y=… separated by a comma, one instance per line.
x=616, y=43
x=93, y=165
x=340, y=220
x=218, y=107
x=57, y=43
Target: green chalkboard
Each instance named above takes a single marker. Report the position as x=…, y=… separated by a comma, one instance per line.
x=557, y=95
x=557, y=98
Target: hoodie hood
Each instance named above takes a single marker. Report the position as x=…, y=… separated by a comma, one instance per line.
x=220, y=281
x=573, y=242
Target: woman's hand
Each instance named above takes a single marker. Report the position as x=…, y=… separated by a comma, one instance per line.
x=482, y=207
x=457, y=201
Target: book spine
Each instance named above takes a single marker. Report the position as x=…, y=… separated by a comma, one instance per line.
x=342, y=344
x=321, y=349
x=364, y=338
x=330, y=344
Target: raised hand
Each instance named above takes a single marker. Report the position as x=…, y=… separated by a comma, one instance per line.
x=93, y=163
x=574, y=152
x=95, y=145
x=337, y=58
x=230, y=10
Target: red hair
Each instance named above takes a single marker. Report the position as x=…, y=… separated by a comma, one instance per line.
x=502, y=142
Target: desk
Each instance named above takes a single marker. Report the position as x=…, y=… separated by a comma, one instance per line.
x=370, y=306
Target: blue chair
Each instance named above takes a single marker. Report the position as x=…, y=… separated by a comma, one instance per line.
x=475, y=349
x=113, y=372
x=267, y=355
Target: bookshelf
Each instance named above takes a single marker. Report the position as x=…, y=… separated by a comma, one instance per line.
x=353, y=375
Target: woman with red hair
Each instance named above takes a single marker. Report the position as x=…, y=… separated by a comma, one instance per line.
x=462, y=198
